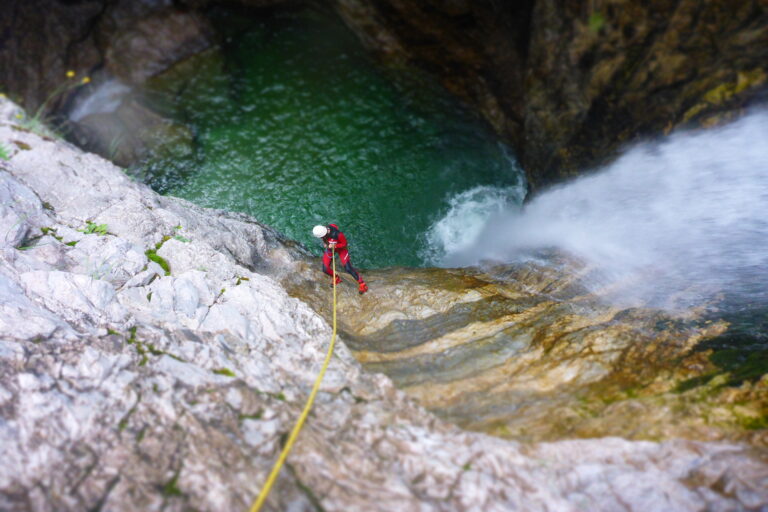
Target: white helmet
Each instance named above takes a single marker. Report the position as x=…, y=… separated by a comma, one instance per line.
x=319, y=231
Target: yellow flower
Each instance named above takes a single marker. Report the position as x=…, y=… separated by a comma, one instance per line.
x=85, y=80
x=70, y=73
x=19, y=116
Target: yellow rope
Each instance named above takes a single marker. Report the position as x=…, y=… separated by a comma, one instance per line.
x=300, y=423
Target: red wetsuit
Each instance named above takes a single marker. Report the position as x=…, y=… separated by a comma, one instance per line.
x=335, y=235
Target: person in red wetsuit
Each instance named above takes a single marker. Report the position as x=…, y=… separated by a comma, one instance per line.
x=334, y=239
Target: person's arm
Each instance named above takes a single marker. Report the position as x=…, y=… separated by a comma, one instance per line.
x=341, y=241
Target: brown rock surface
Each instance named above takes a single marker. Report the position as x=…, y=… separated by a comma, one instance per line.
x=154, y=43
x=40, y=40
x=525, y=352
x=567, y=83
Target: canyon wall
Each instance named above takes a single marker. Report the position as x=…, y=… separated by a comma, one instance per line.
x=568, y=83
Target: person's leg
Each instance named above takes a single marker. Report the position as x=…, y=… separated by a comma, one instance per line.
x=345, y=260
x=327, y=256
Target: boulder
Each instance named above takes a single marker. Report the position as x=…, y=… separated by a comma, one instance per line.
x=154, y=43
x=131, y=133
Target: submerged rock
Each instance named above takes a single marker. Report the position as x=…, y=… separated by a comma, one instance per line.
x=150, y=359
x=131, y=133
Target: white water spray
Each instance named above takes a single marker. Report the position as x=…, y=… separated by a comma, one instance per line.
x=103, y=98
x=467, y=214
x=684, y=217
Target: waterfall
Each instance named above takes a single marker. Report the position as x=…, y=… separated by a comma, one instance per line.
x=684, y=217
x=102, y=98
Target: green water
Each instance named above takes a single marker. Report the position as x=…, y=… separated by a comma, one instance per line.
x=295, y=125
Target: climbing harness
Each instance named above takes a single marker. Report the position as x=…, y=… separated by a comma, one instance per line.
x=300, y=423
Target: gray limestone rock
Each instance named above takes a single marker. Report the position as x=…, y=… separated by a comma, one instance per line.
x=126, y=387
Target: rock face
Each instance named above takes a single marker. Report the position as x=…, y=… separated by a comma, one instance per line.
x=525, y=352
x=43, y=39
x=567, y=82
x=112, y=46
x=150, y=359
x=155, y=43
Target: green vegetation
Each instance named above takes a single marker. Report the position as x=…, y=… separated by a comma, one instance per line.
x=4, y=155
x=114, y=146
x=146, y=349
x=123, y=423
x=596, y=22
x=224, y=371
x=153, y=256
x=171, y=486
x=139, y=345
x=741, y=366
x=93, y=228
x=752, y=423
x=37, y=123
x=694, y=382
x=52, y=232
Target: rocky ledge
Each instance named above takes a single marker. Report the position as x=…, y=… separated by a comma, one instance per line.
x=526, y=352
x=150, y=358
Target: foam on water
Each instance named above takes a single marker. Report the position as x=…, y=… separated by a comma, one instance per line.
x=685, y=214
x=467, y=214
x=295, y=125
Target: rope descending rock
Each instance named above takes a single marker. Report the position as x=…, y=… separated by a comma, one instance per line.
x=300, y=423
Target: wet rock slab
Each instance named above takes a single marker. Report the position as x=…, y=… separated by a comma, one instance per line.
x=528, y=353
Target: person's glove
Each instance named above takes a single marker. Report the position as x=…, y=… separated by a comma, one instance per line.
x=332, y=245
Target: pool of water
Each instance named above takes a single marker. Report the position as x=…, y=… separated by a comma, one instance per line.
x=295, y=125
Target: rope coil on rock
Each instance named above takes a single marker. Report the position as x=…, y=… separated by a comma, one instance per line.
x=303, y=416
